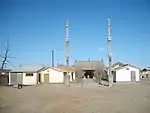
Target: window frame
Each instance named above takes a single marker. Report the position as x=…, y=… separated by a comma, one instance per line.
x=29, y=74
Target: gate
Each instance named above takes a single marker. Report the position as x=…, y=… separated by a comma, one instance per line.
x=16, y=78
x=13, y=78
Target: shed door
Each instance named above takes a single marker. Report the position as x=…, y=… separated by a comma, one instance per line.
x=13, y=78
x=46, y=78
x=19, y=78
x=133, y=76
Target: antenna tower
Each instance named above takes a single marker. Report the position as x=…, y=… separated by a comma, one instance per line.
x=109, y=55
x=67, y=43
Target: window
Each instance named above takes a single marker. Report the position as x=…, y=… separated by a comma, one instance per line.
x=29, y=74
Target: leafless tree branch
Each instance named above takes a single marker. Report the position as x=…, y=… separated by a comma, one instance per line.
x=5, y=57
x=1, y=56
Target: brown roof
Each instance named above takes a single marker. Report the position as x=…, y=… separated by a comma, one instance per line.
x=60, y=68
x=64, y=68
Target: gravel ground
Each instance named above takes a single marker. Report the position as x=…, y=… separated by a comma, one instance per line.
x=56, y=98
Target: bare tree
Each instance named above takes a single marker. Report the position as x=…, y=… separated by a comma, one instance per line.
x=5, y=57
x=98, y=75
x=100, y=72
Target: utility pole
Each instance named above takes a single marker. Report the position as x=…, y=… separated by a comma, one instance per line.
x=110, y=77
x=52, y=58
x=67, y=43
x=67, y=54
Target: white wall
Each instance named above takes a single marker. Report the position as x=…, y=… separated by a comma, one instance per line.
x=74, y=75
x=124, y=75
x=56, y=76
x=137, y=73
x=42, y=74
x=9, y=82
x=29, y=80
x=70, y=74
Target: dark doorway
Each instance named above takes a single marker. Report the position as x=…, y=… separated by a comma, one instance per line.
x=72, y=76
x=89, y=74
x=39, y=78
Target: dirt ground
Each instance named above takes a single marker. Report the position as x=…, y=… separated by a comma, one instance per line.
x=56, y=98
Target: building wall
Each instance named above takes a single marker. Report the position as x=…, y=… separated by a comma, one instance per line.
x=9, y=82
x=56, y=76
x=74, y=75
x=4, y=79
x=124, y=75
x=42, y=74
x=30, y=80
x=145, y=74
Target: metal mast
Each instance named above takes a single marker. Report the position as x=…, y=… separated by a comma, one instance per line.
x=109, y=54
x=52, y=58
x=67, y=43
x=67, y=80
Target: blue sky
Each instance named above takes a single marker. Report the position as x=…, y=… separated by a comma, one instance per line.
x=35, y=27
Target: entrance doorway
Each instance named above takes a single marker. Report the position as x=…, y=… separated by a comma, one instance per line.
x=46, y=78
x=39, y=78
x=89, y=74
x=133, y=76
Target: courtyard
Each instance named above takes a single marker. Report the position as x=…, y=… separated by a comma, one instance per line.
x=56, y=98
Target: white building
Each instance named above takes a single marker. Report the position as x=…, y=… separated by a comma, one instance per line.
x=25, y=75
x=126, y=73
x=56, y=74
x=145, y=73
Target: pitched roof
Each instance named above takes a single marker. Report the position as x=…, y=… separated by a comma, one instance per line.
x=88, y=65
x=123, y=66
x=147, y=68
x=27, y=69
x=118, y=63
x=44, y=68
x=64, y=68
x=60, y=68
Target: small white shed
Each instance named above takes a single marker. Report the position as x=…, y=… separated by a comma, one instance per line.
x=25, y=75
x=56, y=74
x=126, y=73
